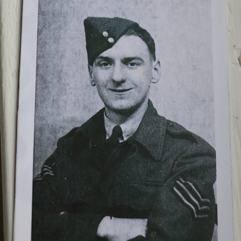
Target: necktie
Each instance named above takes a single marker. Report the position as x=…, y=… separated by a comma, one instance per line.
x=115, y=138
x=111, y=144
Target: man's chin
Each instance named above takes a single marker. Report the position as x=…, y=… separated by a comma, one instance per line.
x=122, y=109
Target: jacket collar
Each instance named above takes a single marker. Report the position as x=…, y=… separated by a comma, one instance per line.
x=151, y=132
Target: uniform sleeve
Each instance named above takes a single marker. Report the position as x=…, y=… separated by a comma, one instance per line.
x=184, y=208
x=50, y=221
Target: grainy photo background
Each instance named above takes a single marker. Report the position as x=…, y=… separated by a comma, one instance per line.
x=64, y=97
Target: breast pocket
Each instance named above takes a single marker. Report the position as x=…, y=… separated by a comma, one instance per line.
x=132, y=200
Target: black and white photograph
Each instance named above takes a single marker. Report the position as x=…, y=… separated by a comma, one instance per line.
x=124, y=141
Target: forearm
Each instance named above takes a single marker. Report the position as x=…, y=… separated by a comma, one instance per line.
x=121, y=229
x=64, y=226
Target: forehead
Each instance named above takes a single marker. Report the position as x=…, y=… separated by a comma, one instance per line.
x=128, y=46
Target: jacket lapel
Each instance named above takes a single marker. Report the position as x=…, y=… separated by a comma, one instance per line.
x=151, y=132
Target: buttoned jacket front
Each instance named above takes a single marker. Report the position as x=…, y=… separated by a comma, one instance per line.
x=163, y=173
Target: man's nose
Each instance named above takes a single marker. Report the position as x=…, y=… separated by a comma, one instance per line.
x=118, y=74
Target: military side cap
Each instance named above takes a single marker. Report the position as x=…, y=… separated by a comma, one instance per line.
x=103, y=33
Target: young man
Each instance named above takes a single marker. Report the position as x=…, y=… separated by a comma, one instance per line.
x=127, y=173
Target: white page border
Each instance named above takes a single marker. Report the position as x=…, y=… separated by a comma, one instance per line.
x=222, y=125
x=25, y=127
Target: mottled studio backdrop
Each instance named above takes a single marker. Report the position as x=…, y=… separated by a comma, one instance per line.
x=64, y=97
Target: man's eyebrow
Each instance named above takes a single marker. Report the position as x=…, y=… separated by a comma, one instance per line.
x=129, y=59
x=103, y=58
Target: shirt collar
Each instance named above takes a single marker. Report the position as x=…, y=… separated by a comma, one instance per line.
x=128, y=128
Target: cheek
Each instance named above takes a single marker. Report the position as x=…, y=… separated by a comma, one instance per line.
x=101, y=77
x=147, y=74
x=142, y=78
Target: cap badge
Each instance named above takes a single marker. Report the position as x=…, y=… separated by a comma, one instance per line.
x=105, y=34
x=111, y=40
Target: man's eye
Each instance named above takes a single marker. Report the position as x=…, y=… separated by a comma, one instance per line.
x=132, y=64
x=104, y=64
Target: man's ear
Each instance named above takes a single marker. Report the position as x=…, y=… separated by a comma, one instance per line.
x=156, y=71
x=92, y=81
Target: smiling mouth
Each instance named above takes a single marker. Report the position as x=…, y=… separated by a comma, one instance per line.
x=120, y=90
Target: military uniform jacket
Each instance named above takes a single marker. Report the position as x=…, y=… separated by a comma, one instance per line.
x=163, y=173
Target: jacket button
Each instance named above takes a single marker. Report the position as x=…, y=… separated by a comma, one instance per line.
x=62, y=213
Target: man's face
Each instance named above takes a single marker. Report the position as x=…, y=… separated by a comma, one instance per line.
x=123, y=74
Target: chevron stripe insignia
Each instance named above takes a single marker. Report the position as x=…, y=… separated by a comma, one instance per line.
x=46, y=171
x=192, y=198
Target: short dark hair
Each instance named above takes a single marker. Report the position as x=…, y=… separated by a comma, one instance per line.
x=146, y=37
